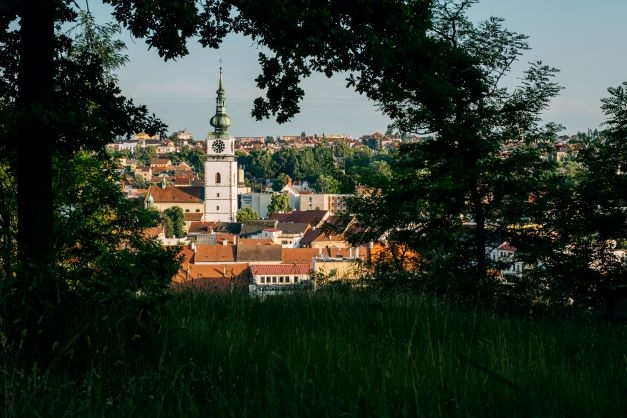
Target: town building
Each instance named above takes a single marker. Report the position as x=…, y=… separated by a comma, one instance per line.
x=258, y=202
x=504, y=256
x=221, y=179
x=279, y=279
x=189, y=199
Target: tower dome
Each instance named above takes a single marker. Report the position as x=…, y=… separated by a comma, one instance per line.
x=220, y=121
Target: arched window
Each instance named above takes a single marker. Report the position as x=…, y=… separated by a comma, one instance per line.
x=218, y=178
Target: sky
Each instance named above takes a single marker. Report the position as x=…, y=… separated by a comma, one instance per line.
x=584, y=39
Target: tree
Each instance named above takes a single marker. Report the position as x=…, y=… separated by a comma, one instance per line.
x=448, y=189
x=145, y=154
x=177, y=219
x=66, y=100
x=8, y=212
x=583, y=217
x=195, y=157
x=376, y=173
x=281, y=181
x=246, y=214
x=113, y=277
x=65, y=94
x=327, y=184
x=279, y=203
x=261, y=165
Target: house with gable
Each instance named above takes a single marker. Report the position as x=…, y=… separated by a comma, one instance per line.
x=144, y=172
x=279, y=279
x=165, y=147
x=504, y=256
x=163, y=197
x=286, y=234
x=160, y=163
x=291, y=233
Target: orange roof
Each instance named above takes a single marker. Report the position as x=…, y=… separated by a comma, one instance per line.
x=160, y=161
x=210, y=271
x=217, y=277
x=172, y=195
x=255, y=241
x=201, y=227
x=215, y=253
x=276, y=269
x=154, y=231
x=300, y=255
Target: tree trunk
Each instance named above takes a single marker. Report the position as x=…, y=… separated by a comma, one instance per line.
x=34, y=136
x=480, y=234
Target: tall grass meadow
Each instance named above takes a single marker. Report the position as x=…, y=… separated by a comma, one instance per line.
x=337, y=355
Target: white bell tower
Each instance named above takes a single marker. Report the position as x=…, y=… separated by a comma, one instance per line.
x=221, y=166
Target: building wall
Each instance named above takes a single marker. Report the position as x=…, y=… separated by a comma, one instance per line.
x=332, y=202
x=221, y=197
x=187, y=207
x=259, y=202
x=334, y=270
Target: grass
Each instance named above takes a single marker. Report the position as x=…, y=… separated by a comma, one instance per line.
x=329, y=355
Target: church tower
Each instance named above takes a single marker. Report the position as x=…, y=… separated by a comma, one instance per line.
x=221, y=166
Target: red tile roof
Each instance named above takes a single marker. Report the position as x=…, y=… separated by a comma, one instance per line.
x=154, y=231
x=173, y=195
x=214, y=277
x=277, y=269
x=165, y=162
x=300, y=255
x=507, y=247
x=255, y=241
x=188, y=255
x=215, y=253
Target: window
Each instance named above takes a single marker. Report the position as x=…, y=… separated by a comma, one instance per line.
x=186, y=210
x=218, y=178
x=197, y=210
x=262, y=279
x=218, y=208
x=295, y=279
x=217, y=194
x=281, y=279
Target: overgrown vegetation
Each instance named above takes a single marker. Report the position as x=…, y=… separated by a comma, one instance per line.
x=77, y=265
x=329, y=355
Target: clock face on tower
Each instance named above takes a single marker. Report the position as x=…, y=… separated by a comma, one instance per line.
x=218, y=146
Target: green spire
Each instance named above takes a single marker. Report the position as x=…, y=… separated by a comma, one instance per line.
x=220, y=121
